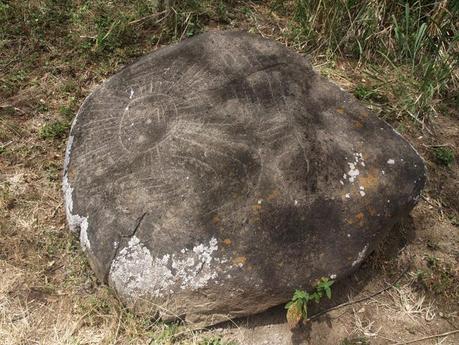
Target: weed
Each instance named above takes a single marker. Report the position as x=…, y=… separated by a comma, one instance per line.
x=223, y=13
x=366, y=93
x=55, y=130
x=66, y=111
x=444, y=155
x=362, y=92
x=187, y=18
x=279, y=6
x=297, y=308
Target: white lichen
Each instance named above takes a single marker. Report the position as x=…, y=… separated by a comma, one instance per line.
x=135, y=272
x=360, y=256
x=75, y=221
x=354, y=172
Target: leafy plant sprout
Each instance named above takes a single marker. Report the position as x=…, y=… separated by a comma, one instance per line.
x=297, y=308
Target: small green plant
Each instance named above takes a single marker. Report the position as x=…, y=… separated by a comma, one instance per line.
x=55, y=130
x=366, y=93
x=362, y=92
x=297, y=308
x=66, y=112
x=444, y=155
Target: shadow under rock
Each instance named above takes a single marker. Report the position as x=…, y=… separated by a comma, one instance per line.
x=400, y=235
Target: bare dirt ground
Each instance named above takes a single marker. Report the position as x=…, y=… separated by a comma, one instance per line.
x=48, y=295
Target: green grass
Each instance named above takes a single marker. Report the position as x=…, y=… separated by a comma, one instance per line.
x=55, y=130
x=412, y=41
x=400, y=55
x=416, y=40
x=444, y=155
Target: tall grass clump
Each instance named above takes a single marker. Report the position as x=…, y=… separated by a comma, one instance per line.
x=419, y=37
x=185, y=18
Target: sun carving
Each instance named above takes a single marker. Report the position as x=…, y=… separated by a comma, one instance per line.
x=161, y=129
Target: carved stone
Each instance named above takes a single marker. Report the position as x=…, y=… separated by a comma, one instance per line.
x=212, y=178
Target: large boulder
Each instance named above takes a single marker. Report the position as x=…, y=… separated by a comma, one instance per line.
x=213, y=177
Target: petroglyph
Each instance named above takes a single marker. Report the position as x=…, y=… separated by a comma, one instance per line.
x=216, y=167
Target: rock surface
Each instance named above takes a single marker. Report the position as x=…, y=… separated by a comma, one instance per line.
x=213, y=177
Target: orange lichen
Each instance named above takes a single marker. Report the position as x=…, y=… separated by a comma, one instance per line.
x=216, y=220
x=227, y=242
x=369, y=181
x=359, y=216
x=359, y=219
x=240, y=260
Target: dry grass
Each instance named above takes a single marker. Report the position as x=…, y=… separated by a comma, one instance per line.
x=52, y=53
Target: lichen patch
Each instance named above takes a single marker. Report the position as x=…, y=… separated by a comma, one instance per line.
x=75, y=221
x=354, y=171
x=137, y=273
x=360, y=256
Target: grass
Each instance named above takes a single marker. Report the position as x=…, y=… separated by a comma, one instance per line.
x=399, y=57
x=55, y=130
x=444, y=155
x=416, y=40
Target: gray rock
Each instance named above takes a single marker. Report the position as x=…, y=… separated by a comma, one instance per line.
x=213, y=177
